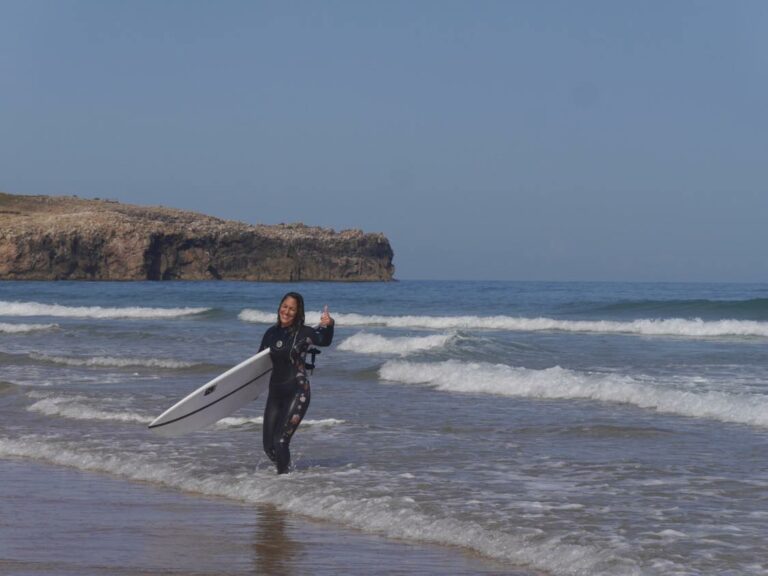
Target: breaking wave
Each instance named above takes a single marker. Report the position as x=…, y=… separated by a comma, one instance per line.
x=563, y=384
x=363, y=343
x=6, y=328
x=696, y=327
x=393, y=516
x=76, y=409
x=114, y=362
x=99, y=312
x=81, y=408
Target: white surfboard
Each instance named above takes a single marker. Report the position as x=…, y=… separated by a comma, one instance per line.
x=218, y=398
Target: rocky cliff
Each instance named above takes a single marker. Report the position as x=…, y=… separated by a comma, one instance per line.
x=68, y=238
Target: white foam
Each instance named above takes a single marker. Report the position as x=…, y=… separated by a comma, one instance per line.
x=695, y=327
x=671, y=535
x=234, y=422
x=56, y=310
x=363, y=343
x=74, y=408
x=81, y=408
x=308, y=494
x=6, y=328
x=560, y=383
x=258, y=316
x=114, y=362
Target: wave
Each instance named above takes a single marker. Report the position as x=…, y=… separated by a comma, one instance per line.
x=308, y=495
x=561, y=384
x=235, y=422
x=6, y=328
x=114, y=362
x=696, y=327
x=753, y=308
x=363, y=343
x=99, y=312
x=75, y=409
x=81, y=408
x=261, y=317
x=311, y=318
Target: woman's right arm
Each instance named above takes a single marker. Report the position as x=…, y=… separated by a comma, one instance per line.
x=265, y=340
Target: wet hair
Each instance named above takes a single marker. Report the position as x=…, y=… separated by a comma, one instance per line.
x=298, y=321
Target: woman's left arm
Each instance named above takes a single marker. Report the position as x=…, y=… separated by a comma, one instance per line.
x=323, y=335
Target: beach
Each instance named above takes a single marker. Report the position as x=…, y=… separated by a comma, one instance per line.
x=61, y=522
x=574, y=429
x=539, y=227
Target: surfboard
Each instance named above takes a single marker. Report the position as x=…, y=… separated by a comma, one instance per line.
x=217, y=398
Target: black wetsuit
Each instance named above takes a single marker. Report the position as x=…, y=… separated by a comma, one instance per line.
x=289, y=392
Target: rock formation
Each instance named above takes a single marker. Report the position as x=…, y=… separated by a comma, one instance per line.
x=68, y=238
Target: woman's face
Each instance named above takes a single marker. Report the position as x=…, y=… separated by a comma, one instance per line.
x=288, y=310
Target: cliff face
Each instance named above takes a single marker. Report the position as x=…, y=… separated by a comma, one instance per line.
x=67, y=238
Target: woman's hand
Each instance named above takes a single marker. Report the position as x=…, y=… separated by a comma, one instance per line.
x=326, y=319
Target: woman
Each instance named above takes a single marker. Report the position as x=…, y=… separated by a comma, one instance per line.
x=288, y=400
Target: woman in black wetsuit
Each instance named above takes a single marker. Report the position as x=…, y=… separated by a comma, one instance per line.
x=288, y=341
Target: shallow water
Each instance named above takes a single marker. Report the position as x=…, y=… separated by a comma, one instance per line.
x=571, y=428
x=97, y=524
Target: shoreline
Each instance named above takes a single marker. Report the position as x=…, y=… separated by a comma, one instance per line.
x=99, y=524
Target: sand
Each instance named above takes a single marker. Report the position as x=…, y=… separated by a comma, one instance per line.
x=60, y=522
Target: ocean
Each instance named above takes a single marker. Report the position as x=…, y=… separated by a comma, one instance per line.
x=524, y=427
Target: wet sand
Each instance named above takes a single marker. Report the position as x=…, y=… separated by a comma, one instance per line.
x=62, y=522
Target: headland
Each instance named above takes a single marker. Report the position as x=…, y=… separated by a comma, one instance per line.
x=70, y=238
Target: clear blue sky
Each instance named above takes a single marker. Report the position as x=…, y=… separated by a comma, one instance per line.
x=542, y=140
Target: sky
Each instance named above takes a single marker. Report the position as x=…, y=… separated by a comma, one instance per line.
x=510, y=140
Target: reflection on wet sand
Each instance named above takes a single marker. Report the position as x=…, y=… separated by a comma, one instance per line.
x=276, y=553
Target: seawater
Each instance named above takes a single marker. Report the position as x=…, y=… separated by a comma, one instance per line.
x=573, y=428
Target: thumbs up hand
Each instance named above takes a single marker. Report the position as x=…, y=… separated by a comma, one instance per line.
x=326, y=319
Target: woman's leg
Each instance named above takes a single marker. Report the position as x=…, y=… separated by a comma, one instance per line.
x=293, y=417
x=270, y=431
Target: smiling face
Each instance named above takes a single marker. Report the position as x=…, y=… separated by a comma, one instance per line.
x=288, y=310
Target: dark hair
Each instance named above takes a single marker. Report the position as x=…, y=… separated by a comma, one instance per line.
x=298, y=322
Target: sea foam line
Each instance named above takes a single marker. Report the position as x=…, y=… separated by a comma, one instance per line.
x=57, y=310
x=81, y=408
x=362, y=343
x=233, y=422
x=560, y=383
x=75, y=409
x=307, y=494
x=115, y=362
x=694, y=327
x=6, y=328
